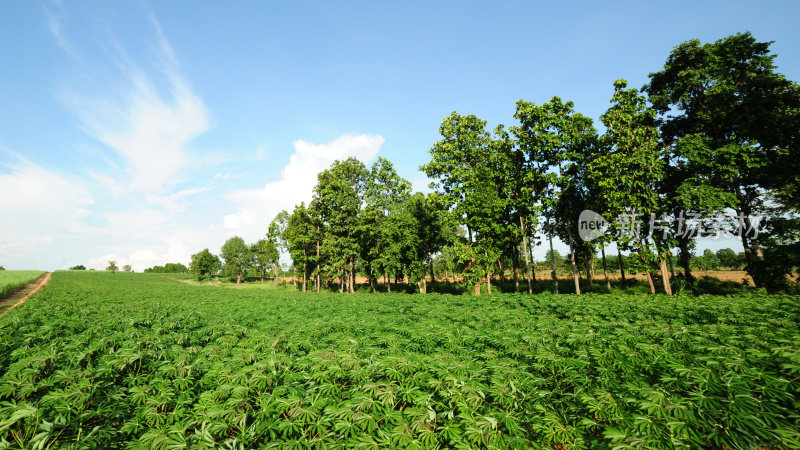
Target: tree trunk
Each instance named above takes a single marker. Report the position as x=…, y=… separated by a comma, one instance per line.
x=275, y=280
x=605, y=266
x=352, y=275
x=553, y=260
x=422, y=286
x=501, y=269
x=516, y=275
x=263, y=274
x=533, y=263
x=621, y=264
x=305, y=276
x=294, y=278
x=319, y=275
x=476, y=288
x=371, y=280
x=665, y=275
x=525, y=252
x=386, y=282
x=650, y=281
x=575, y=275
x=589, y=271
x=685, y=259
x=238, y=278
x=433, y=276
x=671, y=268
x=752, y=251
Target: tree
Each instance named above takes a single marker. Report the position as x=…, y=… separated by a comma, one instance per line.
x=204, y=264
x=384, y=193
x=338, y=198
x=277, y=239
x=238, y=258
x=265, y=254
x=127, y=268
x=707, y=262
x=556, y=140
x=627, y=174
x=727, y=258
x=78, y=267
x=2, y=268
x=112, y=267
x=301, y=240
x=463, y=164
x=743, y=118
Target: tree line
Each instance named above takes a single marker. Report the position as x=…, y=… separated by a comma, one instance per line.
x=714, y=131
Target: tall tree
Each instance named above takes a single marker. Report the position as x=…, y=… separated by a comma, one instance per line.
x=301, y=239
x=238, y=258
x=728, y=95
x=277, y=239
x=385, y=192
x=628, y=172
x=338, y=198
x=556, y=140
x=461, y=166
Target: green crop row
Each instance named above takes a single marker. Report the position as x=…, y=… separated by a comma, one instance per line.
x=133, y=360
x=11, y=280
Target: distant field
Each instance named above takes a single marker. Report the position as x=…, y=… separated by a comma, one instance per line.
x=137, y=360
x=11, y=280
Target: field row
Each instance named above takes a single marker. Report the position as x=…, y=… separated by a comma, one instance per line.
x=106, y=360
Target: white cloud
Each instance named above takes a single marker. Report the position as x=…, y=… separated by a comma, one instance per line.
x=38, y=207
x=54, y=24
x=420, y=183
x=147, y=121
x=150, y=132
x=257, y=207
x=175, y=202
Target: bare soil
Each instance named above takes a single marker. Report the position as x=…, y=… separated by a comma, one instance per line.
x=19, y=296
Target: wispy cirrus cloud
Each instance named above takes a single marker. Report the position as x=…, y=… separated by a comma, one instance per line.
x=147, y=118
x=131, y=98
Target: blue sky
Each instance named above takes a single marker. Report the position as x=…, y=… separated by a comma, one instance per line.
x=144, y=132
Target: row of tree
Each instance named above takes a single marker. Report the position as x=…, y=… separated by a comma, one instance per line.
x=715, y=130
x=168, y=268
x=238, y=259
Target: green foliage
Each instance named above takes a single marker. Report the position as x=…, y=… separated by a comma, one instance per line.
x=338, y=198
x=237, y=258
x=78, y=267
x=204, y=264
x=732, y=123
x=709, y=261
x=168, y=268
x=11, y=280
x=129, y=360
x=112, y=267
x=265, y=255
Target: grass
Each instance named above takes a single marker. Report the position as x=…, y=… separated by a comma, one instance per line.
x=129, y=360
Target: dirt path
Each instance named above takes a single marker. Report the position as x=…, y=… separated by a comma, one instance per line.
x=19, y=296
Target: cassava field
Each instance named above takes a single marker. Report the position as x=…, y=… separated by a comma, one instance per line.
x=116, y=360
